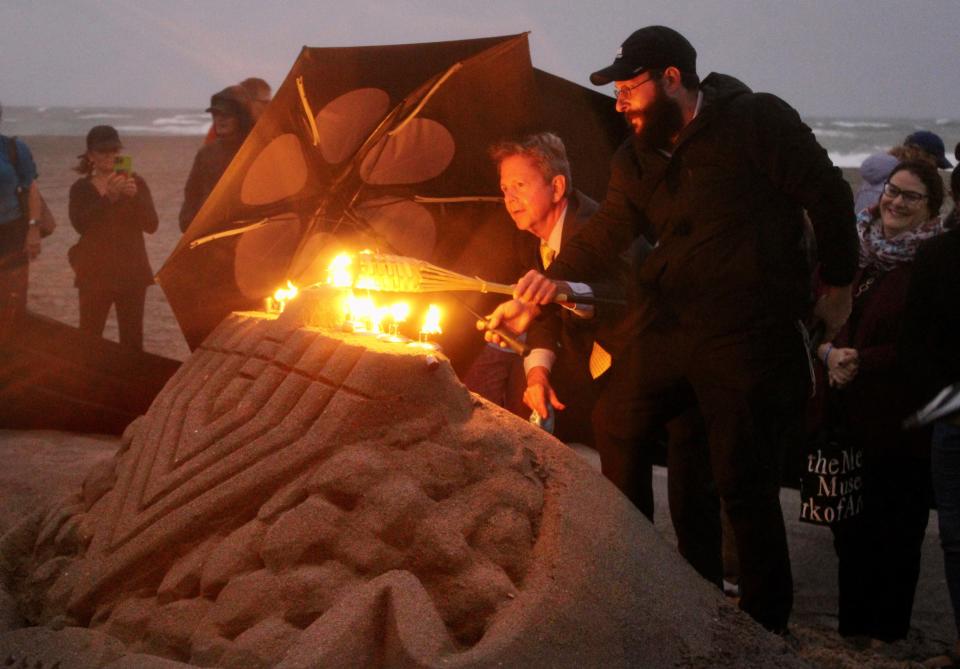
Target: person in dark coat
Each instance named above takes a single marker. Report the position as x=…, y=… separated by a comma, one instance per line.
x=232, y=122
x=929, y=349
x=111, y=210
x=547, y=210
x=879, y=549
x=719, y=177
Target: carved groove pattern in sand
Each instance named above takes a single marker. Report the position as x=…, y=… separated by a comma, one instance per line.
x=231, y=443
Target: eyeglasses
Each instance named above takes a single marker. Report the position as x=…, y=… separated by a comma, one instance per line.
x=617, y=92
x=911, y=196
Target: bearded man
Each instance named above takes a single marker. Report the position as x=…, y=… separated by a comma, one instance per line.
x=719, y=177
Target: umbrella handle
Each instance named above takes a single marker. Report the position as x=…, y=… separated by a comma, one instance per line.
x=512, y=343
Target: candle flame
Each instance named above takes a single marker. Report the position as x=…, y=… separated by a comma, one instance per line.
x=278, y=302
x=399, y=312
x=431, y=321
x=339, y=272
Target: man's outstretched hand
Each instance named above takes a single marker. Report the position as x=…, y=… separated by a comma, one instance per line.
x=513, y=314
x=539, y=392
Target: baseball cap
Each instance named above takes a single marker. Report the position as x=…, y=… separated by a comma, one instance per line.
x=228, y=101
x=650, y=48
x=931, y=143
x=103, y=138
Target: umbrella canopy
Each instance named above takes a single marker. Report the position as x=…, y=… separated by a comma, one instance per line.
x=382, y=147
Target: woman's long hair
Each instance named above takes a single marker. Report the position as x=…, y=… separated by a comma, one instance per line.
x=83, y=166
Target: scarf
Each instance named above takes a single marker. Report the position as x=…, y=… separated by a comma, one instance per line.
x=885, y=254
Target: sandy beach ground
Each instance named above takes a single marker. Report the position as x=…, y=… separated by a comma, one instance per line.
x=40, y=466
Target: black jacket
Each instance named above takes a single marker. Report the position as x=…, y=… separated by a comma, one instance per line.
x=569, y=336
x=558, y=324
x=111, y=254
x=211, y=161
x=930, y=340
x=726, y=212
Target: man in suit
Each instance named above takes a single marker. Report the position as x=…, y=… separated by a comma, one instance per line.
x=539, y=196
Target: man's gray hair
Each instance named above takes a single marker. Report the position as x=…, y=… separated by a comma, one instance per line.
x=545, y=149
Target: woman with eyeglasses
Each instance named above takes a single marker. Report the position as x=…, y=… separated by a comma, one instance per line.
x=867, y=398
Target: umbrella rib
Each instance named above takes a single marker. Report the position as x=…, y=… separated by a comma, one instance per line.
x=426, y=98
x=200, y=241
x=462, y=198
x=308, y=111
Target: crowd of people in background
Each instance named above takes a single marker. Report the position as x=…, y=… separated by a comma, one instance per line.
x=110, y=208
x=706, y=210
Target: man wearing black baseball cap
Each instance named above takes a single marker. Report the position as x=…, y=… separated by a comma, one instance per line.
x=230, y=110
x=719, y=177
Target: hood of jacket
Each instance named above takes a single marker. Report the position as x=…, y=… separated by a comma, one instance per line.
x=719, y=89
x=876, y=168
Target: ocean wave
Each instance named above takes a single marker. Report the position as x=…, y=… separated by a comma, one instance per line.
x=861, y=124
x=186, y=130
x=103, y=115
x=940, y=122
x=183, y=120
x=823, y=132
x=848, y=159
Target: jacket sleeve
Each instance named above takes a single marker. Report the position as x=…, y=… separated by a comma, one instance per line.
x=919, y=347
x=787, y=152
x=587, y=256
x=544, y=332
x=86, y=206
x=192, y=193
x=26, y=168
x=146, y=212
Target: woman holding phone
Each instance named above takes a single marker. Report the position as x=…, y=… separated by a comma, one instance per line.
x=111, y=208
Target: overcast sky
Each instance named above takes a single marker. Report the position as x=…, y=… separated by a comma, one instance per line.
x=853, y=58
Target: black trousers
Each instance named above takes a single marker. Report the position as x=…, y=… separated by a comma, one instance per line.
x=14, y=273
x=751, y=388
x=95, y=307
x=879, y=550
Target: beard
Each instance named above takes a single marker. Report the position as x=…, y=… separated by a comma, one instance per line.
x=660, y=121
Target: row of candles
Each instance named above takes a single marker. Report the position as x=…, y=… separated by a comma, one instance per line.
x=362, y=315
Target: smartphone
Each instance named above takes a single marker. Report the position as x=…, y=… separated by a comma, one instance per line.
x=123, y=165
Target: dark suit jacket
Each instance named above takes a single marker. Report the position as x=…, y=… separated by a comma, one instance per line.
x=567, y=335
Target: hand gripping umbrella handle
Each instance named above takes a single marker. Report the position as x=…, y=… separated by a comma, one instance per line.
x=512, y=342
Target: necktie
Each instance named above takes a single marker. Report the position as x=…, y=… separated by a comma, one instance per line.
x=600, y=361
x=547, y=255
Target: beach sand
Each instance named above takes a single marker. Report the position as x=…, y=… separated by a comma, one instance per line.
x=41, y=466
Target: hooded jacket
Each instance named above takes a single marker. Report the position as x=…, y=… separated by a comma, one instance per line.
x=726, y=211
x=874, y=171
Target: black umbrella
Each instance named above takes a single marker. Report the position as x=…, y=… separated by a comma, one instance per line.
x=382, y=147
